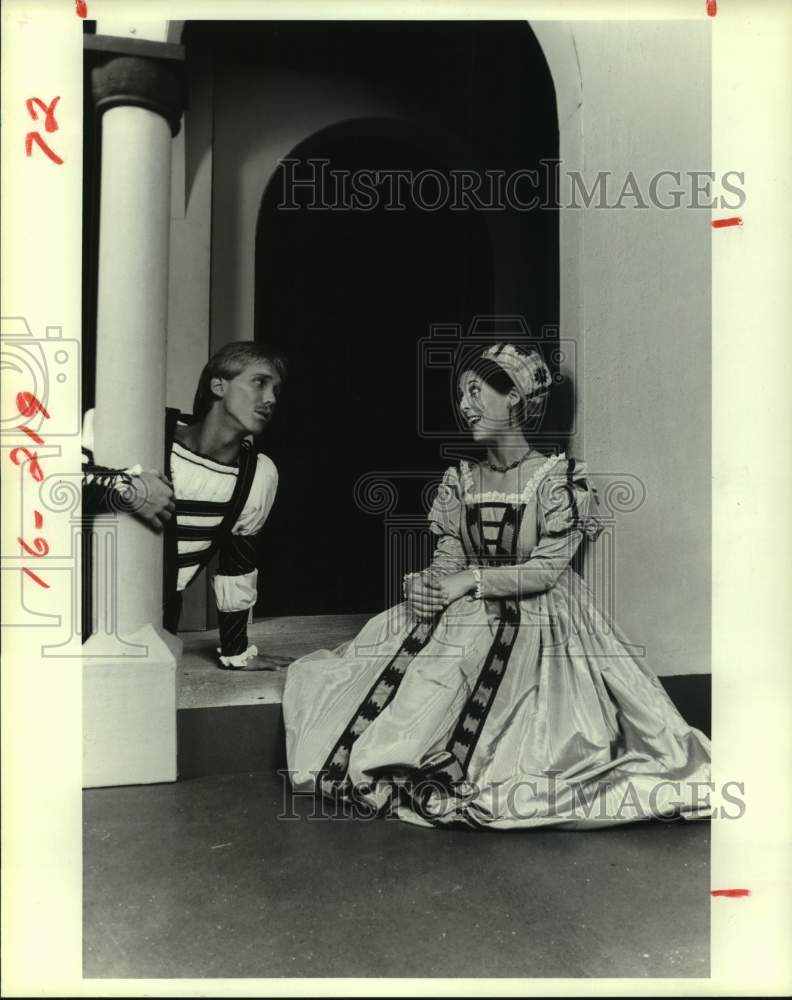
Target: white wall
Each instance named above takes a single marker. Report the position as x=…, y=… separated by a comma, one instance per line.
x=644, y=326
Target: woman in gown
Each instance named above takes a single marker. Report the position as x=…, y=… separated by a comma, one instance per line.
x=496, y=696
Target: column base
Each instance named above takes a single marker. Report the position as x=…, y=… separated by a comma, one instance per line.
x=129, y=711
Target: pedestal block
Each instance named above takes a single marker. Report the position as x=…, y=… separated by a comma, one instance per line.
x=129, y=711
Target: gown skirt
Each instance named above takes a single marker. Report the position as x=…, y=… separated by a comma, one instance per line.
x=505, y=712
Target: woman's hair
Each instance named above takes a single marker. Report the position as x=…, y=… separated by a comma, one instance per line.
x=227, y=363
x=528, y=412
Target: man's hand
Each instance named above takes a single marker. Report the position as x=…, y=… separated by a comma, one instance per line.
x=150, y=497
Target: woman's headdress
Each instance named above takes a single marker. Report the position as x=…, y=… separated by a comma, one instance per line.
x=527, y=369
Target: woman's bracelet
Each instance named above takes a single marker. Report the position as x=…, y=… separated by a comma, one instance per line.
x=405, y=578
x=477, y=577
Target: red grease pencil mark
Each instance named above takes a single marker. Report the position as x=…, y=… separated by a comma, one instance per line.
x=712, y=8
x=722, y=223
x=38, y=548
x=50, y=124
x=33, y=576
x=81, y=8
x=27, y=404
x=731, y=893
x=32, y=434
x=32, y=137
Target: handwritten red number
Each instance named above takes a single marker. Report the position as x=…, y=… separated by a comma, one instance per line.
x=28, y=404
x=32, y=137
x=49, y=111
x=40, y=547
x=33, y=576
x=32, y=434
x=32, y=456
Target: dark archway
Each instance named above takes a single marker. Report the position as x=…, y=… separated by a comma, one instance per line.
x=350, y=295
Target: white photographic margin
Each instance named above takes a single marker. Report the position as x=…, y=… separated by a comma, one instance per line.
x=752, y=586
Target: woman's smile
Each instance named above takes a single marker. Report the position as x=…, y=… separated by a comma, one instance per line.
x=482, y=408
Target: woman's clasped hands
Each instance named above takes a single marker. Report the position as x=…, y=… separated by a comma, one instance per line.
x=428, y=593
x=425, y=594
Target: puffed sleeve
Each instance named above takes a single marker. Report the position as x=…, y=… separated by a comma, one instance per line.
x=444, y=520
x=563, y=501
x=235, y=584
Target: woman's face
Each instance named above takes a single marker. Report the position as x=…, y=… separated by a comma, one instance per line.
x=485, y=410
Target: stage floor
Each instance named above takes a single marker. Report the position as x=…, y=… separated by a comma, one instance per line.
x=202, y=879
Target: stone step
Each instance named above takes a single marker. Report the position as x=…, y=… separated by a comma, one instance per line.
x=201, y=684
x=230, y=723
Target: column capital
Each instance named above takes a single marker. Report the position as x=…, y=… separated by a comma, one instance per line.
x=138, y=73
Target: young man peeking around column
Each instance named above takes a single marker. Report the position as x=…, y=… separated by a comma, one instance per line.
x=219, y=489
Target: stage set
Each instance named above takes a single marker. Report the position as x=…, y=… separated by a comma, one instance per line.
x=211, y=216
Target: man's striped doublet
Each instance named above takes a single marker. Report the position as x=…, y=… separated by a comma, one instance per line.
x=204, y=498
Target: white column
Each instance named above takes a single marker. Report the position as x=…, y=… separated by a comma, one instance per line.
x=131, y=329
x=129, y=676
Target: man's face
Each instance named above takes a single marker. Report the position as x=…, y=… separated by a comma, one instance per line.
x=249, y=398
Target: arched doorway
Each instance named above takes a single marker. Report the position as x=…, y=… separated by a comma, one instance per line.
x=350, y=295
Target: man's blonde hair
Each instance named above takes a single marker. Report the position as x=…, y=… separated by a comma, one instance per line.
x=228, y=362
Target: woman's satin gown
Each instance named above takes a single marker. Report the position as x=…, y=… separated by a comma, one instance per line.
x=522, y=709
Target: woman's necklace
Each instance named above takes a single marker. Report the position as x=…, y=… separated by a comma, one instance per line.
x=506, y=468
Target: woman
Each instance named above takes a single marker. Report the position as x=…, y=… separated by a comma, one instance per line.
x=496, y=696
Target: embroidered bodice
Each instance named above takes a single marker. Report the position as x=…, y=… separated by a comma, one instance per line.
x=523, y=551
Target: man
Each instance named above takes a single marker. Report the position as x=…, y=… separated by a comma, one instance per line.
x=219, y=489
